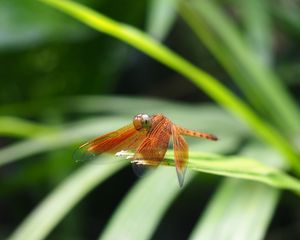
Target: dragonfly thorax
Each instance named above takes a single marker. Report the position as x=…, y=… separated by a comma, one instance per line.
x=142, y=121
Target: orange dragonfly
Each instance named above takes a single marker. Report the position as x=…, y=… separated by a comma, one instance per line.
x=148, y=138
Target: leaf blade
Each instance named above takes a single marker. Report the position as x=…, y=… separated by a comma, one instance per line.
x=209, y=84
x=239, y=167
x=56, y=205
x=239, y=210
x=146, y=194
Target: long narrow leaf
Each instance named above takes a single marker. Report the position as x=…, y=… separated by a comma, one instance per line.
x=250, y=74
x=57, y=139
x=238, y=167
x=55, y=206
x=161, y=16
x=144, y=196
x=17, y=127
x=150, y=197
x=288, y=14
x=256, y=19
x=82, y=182
x=213, y=119
x=239, y=210
x=232, y=166
x=209, y=84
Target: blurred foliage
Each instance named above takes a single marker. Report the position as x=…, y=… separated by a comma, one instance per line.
x=63, y=83
x=47, y=54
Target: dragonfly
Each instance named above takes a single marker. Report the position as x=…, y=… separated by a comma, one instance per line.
x=147, y=137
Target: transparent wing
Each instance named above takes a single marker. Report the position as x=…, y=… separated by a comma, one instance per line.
x=153, y=149
x=123, y=139
x=181, y=150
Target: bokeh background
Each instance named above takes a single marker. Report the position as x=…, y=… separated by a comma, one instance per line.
x=63, y=83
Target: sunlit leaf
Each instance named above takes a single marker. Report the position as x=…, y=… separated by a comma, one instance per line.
x=57, y=139
x=256, y=18
x=239, y=210
x=146, y=193
x=56, y=205
x=161, y=16
x=20, y=28
x=209, y=84
x=257, y=80
x=17, y=127
x=237, y=167
x=212, y=119
x=144, y=198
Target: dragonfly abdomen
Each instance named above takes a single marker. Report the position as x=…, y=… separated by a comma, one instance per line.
x=187, y=132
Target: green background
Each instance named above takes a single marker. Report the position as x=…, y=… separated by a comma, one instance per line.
x=226, y=67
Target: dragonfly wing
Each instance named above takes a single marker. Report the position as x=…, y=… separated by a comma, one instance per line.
x=180, y=147
x=126, y=138
x=153, y=149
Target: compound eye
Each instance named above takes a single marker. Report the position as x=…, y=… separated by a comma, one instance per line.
x=142, y=121
x=146, y=121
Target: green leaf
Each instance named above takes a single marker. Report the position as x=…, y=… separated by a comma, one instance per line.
x=17, y=127
x=20, y=28
x=230, y=166
x=129, y=221
x=238, y=167
x=57, y=139
x=209, y=84
x=83, y=181
x=161, y=16
x=288, y=14
x=256, y=18
x=56, y=205
x=259, y=83
x=239, y=210
x=213, y=119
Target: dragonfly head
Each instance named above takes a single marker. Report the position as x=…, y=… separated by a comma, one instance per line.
x=142, y=122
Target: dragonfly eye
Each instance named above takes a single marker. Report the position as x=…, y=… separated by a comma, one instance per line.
x=142, y=121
